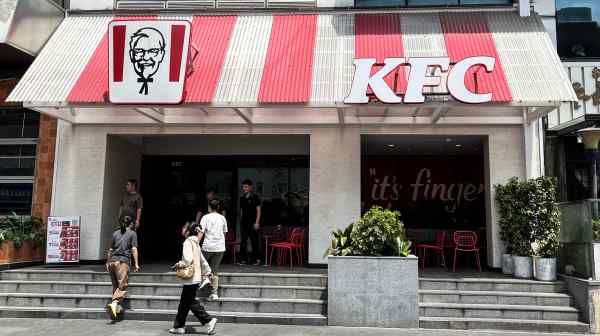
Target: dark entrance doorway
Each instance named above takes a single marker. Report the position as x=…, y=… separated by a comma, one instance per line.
x=174, y=189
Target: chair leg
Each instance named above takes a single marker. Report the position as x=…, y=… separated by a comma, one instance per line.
x=291, y=258
x=443, y=258
x=271, y=259
x=454, y=268
x=478, y=261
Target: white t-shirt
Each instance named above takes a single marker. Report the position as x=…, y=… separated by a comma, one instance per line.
x=214, y=226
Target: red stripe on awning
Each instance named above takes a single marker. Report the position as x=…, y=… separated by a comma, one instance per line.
x=468, y=35
x=379, y=36
x=287, y=73
x=211, y=35
x=118, y=52
x=177, y=37
x=92, y=84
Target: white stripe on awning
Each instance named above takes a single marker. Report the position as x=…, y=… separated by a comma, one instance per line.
x=58, y=66
x=244, y=63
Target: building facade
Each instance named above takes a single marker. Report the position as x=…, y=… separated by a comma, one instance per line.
x=274, y=92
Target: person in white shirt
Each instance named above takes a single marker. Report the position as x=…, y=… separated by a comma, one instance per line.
x=214, y=228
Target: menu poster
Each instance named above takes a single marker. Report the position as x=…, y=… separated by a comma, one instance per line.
x=62, y=241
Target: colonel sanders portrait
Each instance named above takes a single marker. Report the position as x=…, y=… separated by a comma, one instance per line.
x=146, y=52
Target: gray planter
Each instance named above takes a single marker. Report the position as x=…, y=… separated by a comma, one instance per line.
x=507, y=264
x=523, y=267
x=373, y=292
x=545, y=269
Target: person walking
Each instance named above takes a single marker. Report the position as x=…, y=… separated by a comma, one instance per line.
x=131, y=203
x=214, y=228
x=250, y=213
x=192, y=255
x=118, y=262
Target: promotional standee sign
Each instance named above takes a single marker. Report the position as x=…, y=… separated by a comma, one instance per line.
x=62, y=241
x=147, y=61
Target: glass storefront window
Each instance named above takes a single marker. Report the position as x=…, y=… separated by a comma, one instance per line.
x=19, y=123
x=577, y=28
x=17, y=160
x=15, y=197
x=418, y=3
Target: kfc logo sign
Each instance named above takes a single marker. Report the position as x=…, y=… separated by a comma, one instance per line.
x=417, y=79
x=147, y=61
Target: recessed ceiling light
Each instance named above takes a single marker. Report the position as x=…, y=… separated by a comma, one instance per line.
x=458, y=145
x=448, y=139
x=391, y=146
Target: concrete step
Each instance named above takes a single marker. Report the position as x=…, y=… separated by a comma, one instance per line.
x=494, y=297
x=161, y=289
x=276, y=279
x=492, y=284
x=497, y=311
x=162, y=315
x=544, y=326
x=249, y=305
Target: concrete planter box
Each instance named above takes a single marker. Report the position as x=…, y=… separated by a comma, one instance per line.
x=595, y=252
x=373, y=292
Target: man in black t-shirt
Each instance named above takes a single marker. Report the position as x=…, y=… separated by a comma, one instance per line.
x=131, y=204
x=249, y=223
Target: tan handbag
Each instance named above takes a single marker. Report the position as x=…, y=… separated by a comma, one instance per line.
x=183, y=270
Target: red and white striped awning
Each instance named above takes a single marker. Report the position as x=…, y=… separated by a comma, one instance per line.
x=254, y=60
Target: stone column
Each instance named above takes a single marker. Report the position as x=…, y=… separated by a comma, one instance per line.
x=335, y=175
x=79, y=182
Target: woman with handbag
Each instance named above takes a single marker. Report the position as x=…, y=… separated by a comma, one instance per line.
x=190, y=270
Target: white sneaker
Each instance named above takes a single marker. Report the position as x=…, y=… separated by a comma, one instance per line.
x=205, y=282
x=111, y=308
x=211, y=326
x=179, y=331
x=213, y=297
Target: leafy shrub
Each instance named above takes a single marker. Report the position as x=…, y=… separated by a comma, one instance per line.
x=20, y=228
x=596, y=230
x=529, y=214
x=379, y=232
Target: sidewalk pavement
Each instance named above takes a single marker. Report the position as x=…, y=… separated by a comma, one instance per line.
x=39, y=327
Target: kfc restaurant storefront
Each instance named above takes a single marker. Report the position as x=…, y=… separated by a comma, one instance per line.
x=418, y=111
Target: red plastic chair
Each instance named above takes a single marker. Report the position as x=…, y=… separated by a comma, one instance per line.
x=466, y=241
x=295, y=243
x=232, y=245
x=440, y=239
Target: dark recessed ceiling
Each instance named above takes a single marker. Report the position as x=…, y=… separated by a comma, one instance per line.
x=421, y=145
x=13, y=60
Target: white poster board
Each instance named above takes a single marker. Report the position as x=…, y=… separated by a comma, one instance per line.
x=62, y=240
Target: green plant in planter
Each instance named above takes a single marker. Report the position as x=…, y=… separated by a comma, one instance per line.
x=545, y=216
x=20, y=228
x=380, y=232
x=341, y=244
x=596, y=230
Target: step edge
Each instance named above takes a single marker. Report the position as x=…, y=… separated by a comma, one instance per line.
x=497, y=307
x=480, y=319
x=241, y=274
x=156, y=297
x=163, y=311
x=151, y=284
x=494, y=293
x=492, y=280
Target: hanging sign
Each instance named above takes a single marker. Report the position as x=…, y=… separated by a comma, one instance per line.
x=147, y=61
x=417, y=79
x=62, y=240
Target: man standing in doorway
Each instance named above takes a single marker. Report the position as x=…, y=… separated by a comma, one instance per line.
x=131, y=204
x=249, y=223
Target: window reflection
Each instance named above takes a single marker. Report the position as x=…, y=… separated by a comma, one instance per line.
x=577, y=28
x=417, y=3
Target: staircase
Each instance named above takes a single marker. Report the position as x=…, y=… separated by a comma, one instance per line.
x=500, y=304
x=245, y=297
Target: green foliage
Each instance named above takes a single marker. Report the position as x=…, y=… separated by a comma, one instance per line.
x=528, y=214
x=20, y=228
x=596, y=229
x=378, y=233
x=341, y=244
